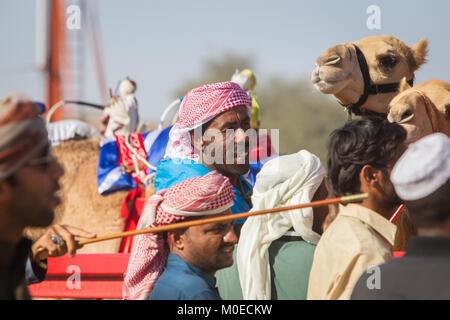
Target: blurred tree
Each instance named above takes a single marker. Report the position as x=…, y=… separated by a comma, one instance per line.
x=216, y=71
x=304, y=117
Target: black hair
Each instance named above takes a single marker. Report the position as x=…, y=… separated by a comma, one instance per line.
x=432, y=210
x=370, y=141
x=11, y=179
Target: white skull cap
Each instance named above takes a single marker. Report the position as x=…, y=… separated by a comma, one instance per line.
x=423, y=168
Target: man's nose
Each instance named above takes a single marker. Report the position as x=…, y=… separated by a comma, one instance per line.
x=57, y=169
x=230, y=236
x=240, y=136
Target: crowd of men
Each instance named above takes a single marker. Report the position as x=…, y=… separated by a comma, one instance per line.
x=342, y=252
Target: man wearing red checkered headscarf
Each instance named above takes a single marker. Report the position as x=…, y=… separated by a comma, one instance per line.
x=182, y=263
x=199, y=106
x=200, y=142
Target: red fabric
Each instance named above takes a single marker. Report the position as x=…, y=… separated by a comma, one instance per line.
x=199, y=106
x=204, y=103
x=125, y=155
x=135, y=200
x=263, y=148
x=195, y=196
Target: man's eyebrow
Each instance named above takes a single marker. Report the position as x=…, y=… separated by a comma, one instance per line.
x=229, y=124
x=45, y=150
x=235, y=122
x=218, y=225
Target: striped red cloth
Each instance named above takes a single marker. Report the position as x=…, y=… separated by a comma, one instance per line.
x=195, y=197
x=199, y=106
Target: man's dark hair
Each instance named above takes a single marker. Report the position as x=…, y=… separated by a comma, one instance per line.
x=432, y=210
x=371, y=141
x=11, y=179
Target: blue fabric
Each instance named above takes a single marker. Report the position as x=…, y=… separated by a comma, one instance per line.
x=110, y=177
x=33, y=275
x=182, y=281
x=255, y=167
x=172, y=171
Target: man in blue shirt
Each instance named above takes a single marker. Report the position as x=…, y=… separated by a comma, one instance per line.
x=183, y=281
x=181, y=264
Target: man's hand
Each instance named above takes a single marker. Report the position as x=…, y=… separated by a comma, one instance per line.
x=57, y=241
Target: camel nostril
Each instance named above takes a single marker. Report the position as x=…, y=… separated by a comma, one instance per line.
x=332, y=60
x=406, y=116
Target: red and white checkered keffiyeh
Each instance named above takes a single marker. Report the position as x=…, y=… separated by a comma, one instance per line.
x=200, y=196
x=199, y=106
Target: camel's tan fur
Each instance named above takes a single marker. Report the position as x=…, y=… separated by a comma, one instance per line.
x=338, y=72
x=82, y=206
x=408, y=108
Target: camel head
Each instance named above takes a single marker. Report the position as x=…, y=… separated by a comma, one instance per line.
x=340, y=71
x=422, y=109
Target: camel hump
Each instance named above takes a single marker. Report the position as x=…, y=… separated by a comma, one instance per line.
x=438, y=91
x=435, y=83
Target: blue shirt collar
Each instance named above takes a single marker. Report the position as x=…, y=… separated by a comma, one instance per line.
x=177, y=262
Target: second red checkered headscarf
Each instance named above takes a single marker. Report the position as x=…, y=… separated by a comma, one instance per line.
x=199, y=106
x=200, y=196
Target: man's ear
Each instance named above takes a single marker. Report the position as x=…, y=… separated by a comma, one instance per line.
x=368, y=176
x=178, y=239
x=5, y=191
x=197, y=141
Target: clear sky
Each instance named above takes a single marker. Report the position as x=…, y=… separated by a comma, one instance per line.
x=161, y=43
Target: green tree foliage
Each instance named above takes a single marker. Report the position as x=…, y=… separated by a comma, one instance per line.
x=304, y=117
x=216, y=71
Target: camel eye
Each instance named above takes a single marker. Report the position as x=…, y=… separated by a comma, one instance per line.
x=387, y=61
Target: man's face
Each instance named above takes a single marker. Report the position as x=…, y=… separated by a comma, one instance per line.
x=232, y=126
x=387, y=189
x=209, y=247
x=33, y=197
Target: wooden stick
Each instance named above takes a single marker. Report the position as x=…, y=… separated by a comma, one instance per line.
x=187, y=224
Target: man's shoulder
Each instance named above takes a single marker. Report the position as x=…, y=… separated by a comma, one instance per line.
x=173, y=171
x=429, y=276
x=182, y=277
x=382, y=282
x=346, y=229
x=343, y=230
x=292, y=249
x=348, y=239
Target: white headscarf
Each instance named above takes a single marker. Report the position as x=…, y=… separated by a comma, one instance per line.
x=283, y=181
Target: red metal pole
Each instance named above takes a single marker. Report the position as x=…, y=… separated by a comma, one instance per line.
x=54, y=87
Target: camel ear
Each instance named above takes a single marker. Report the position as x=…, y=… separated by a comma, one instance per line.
x=420, y=51
x=404, y=85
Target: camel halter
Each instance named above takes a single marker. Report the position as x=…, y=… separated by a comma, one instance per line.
x=368, y=87
x=431, y=111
